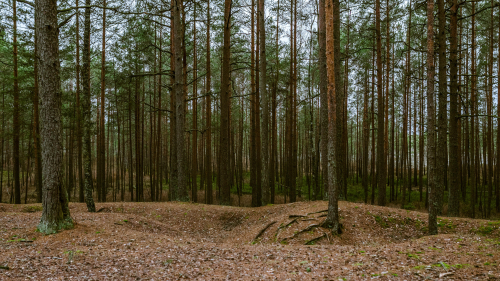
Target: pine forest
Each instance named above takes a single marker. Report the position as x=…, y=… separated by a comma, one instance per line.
x=227, y=139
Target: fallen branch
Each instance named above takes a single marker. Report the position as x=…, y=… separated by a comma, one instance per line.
x=4, y=267
x=296, y=216
x=262, y=230
x=309, y=219
x=309, y=242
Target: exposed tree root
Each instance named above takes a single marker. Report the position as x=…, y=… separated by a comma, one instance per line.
x=322, y=211
x=288, y=224
x=262, y=230
x=296, y=216
x=310, y=242
x=305, y=229
x=104, y=210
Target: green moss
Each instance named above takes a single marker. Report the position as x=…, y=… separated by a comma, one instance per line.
x=32, y=209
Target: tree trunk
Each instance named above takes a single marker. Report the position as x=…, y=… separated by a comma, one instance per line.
x=15, y=122
x=102, y=150
x=194, y=159
x=36, y=128
x=208, y=112
x=332, y=20
x=441, y=157
x=431, y=144
x=55, y=214
x=381, y=158
x=454, y=189
x=87, y=122
x=225, y=127
x=265, y=106
x=323, y=94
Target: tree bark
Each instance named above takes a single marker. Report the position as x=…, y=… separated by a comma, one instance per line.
x=323, y=94
x=225, y=127
x=265, y=106
x=16, y=112
x=454, y=189
x=87, y=122
x=381, y=158
x=36, y=128
x=55, y=214
x=332, y=20
x=102, y=150
x=208, y=112
x=178, y=88
x=441, y=155
x=431, y=143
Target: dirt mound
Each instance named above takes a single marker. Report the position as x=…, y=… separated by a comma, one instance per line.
x=362, y=225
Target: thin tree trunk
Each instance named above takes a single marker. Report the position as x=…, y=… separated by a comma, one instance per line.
x=225, y=127
x=87, y=122
x=454, y=191
x=102, y=150
x=194, y=159
x=36, y=126
x=441, y=157
x=16, y=113
x=381, y=158
x=266, y=194
x=208, y=112
x=431, y=145
x=323, y=93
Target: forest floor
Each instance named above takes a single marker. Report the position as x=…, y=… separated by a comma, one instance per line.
x=170, y=241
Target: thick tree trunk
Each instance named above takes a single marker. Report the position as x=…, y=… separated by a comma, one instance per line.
x=181, y=193
x=55, y=214
x=332, y=20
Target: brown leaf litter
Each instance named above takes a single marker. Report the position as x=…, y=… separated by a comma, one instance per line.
x=171, y=241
